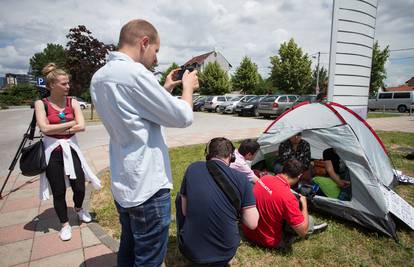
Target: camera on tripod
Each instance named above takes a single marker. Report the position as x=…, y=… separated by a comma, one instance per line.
x=179, y=74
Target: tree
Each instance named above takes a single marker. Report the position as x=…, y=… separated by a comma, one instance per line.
x=323, y=81
x=178, y=89
x=214, y=80
x=52, y=53
x=85, y=55
x=378, y=73
x=291, y=69
x=246, y=77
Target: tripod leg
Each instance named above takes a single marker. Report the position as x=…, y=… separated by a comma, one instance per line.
x=14, y=161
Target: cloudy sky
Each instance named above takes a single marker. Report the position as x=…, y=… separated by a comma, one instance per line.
x=189, y=28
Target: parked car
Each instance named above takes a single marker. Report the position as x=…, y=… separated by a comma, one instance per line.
x=229, y=106
x=400, y=101
x=274, y=105
x=248, y=108
x=303, y=98
x=212, y=102
x=82, y=103
x=198, y=104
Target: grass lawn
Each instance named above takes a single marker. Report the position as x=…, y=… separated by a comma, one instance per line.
x=382, y=115
x=90, y=117
x=342, y=244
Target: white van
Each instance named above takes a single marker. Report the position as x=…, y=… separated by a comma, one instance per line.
x=401, y=101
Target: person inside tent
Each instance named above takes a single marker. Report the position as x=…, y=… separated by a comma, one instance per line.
x=339, y=174
x=295, y=148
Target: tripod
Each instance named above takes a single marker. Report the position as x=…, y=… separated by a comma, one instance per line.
x=28, y=135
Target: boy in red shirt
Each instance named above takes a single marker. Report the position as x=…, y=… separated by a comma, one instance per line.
x=277, y=204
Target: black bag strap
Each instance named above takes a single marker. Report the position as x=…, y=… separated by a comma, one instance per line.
x=224, y=184
x=33, y=122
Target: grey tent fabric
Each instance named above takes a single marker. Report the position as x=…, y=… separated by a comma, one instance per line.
x=332, y=125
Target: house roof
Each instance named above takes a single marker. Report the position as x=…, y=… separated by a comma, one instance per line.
x=198, y=59
x=410, y=82
x=399, y=88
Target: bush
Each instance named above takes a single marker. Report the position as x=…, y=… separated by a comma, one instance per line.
x=21, y=94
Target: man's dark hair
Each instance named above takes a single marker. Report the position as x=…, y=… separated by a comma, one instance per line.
x=219, y=147
x=248, y=146
x=293, y=168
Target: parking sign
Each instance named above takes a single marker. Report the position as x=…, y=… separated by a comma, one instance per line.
x=41, y=82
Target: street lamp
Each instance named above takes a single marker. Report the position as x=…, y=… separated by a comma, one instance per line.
x=317, y=73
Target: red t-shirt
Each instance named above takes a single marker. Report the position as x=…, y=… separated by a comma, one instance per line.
x=275, y=203
x=53, y=116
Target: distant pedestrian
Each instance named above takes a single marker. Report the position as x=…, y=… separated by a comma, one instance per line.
x=133, y=107
x=59, y=118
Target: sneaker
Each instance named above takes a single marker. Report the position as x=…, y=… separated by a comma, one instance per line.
x=320, y=227
x=66, y=233
x=84, y=216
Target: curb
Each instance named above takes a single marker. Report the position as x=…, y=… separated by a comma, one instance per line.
x=96, y=229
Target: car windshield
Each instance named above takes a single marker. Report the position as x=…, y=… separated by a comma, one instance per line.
x=209, y=98
x=252, y=99
x=306, y=98
x=236, y=98
x=269, y=98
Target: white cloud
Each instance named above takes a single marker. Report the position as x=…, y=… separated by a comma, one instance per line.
x=189, y=28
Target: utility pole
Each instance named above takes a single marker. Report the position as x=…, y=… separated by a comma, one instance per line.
x=317, y=74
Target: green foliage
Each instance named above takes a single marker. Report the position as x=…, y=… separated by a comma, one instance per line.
x=246, y=77
x=52, y=53
x=177, y=90
x=20, y=94
x=323, y=81
x=85, y=55
x=214, y=80
x=86, y=95
x=378, y=73
x=291, y=69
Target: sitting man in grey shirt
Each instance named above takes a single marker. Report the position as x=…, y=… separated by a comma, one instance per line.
x=133, y=107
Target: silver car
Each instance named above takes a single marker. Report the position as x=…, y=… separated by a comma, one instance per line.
x=401, y=101
x=274, y=105
x=212, y=102
x=229, y=106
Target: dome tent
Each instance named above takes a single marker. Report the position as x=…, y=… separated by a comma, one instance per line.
x=326, y=125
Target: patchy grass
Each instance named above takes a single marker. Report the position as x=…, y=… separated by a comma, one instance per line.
x=383, y=115
x=91, y=116
x=342, y=244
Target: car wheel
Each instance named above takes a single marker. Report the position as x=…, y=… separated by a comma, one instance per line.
x=82, y=106
x=402, y=108
x=217, y=109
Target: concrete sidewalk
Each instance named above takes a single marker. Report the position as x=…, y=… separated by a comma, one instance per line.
x=29, y=228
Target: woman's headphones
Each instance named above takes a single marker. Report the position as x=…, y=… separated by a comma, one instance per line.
x=218, y=142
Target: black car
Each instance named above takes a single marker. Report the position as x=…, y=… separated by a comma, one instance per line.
x=198, y=105
x=248, y=108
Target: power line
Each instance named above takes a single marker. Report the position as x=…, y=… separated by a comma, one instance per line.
x=401, y=49
x=401, y=58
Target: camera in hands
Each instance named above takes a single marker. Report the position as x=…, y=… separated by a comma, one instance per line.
x=179, y=74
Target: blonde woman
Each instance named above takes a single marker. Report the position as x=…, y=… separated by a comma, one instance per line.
x=59, y=118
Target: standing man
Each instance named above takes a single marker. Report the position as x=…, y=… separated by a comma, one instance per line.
x=246, y=152
x=133, y=107
x=278, y=206
x=207, y=220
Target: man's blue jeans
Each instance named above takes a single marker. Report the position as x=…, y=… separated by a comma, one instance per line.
x=144, y=233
